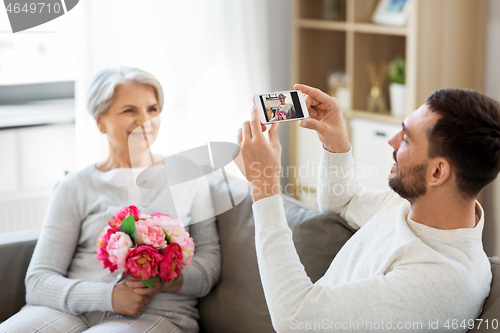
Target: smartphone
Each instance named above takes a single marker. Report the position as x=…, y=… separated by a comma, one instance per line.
x=281, y=106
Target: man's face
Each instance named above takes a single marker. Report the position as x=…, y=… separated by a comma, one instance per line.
x=409, y=172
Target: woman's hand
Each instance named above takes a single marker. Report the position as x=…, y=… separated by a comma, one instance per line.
x=140, y=289
x=173, y=286
x=127, y=302
x=261, y=159
x=325, y=117
x=159, y=285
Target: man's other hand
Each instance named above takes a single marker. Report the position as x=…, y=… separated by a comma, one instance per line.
x=325, y=117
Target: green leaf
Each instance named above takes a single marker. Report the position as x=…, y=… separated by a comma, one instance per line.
x=149, y=282
x=167, y=237
x=128, y=227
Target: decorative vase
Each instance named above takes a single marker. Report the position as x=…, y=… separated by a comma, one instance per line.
x=398, y=99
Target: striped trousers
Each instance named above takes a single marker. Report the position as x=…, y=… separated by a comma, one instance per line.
x=43, y=319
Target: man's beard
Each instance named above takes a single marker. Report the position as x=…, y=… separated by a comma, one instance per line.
x=409, y=184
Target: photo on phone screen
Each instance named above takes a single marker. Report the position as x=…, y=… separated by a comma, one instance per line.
x=281, y=106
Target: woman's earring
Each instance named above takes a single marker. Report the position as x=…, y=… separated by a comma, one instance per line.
x=102, y=131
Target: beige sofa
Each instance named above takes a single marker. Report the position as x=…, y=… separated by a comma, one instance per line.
x=237, y=303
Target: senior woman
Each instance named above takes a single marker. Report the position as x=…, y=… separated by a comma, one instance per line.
x=66, y=288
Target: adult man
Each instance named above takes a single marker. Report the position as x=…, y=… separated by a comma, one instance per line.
x=287, y=109
x=416, y=263
x=270, y=115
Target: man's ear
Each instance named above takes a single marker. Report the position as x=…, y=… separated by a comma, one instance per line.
x=440, y=169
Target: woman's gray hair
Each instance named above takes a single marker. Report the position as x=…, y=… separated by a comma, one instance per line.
x=102, y=90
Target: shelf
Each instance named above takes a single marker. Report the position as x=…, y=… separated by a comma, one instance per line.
x=386, y=118
x=443, y=44
x=325, y=51
x=379, y=29
x=377, y=49
x=56, y=111
x=356, y=27
x=322, y=24
x=317, y=9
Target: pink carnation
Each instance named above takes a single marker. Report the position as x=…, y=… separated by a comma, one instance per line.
x=102, y=253
x=170, y=262
x=121, y=214
x=118, y=247
x=149, y=232
x=142, y=262
x=181, y=237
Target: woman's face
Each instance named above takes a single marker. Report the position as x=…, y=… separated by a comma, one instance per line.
x=133, y=105
x=282, y=99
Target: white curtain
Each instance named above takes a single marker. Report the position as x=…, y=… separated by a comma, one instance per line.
x=210, y=57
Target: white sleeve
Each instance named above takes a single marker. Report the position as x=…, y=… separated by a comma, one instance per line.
x=411, y=292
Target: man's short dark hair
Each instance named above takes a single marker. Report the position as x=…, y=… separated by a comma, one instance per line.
x=467, y=133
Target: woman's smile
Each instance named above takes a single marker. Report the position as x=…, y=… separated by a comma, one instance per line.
x=141, y=134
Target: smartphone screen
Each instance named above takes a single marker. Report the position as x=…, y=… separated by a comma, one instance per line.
x=286, y=105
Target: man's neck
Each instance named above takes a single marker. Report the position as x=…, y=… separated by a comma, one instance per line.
x=444, y=212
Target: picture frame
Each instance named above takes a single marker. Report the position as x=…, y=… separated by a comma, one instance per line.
x=392, y=12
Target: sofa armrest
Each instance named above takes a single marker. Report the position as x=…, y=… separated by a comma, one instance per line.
x=16, y=249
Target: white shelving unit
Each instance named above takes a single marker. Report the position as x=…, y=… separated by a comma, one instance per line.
x=443, y=44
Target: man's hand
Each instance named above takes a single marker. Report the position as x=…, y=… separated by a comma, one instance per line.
x=127, y=302
x=325, y=117
x=261, y=159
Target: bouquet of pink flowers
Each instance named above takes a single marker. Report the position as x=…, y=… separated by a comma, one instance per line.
x=145, y=245
x=281, y=115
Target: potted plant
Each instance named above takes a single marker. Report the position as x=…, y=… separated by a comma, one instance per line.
x=396, y=73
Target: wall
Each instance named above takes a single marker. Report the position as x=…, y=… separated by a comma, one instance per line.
x=491, y=195
x=279, y=20
x=225, y=52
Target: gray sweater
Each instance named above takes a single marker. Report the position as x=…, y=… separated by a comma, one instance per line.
x=64, y=273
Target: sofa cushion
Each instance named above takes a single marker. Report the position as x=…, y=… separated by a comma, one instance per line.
x=239, y=296
x=16, y=249
x=494, y=297
x=491, y=308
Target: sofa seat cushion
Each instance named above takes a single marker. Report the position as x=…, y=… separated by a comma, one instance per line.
x=16, y=249
x=494, y=297
x=237, y=303
x=491, y=309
